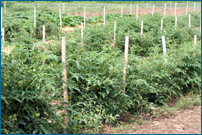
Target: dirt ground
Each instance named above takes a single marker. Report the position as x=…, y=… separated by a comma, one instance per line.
x=187, y=122
x=141, y=11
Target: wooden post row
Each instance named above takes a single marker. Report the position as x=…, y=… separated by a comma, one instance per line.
x=126, y=61
x=65, y=90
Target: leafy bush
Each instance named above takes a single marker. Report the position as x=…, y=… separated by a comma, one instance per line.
x=95, y=87
x=25, y=98
x=152, y=79
x=97, y=35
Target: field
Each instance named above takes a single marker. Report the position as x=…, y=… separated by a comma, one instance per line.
x=96, y=83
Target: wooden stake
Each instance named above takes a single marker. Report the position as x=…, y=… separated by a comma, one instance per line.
x=3, y=39
x=5, y=7
x=175, y=8
x=141, y=27
x=187, y=8
x=175, y=22
x=82, y=34
x=63, y=8
x=195, y=40
x=164, y=46
x=34, y=16
x=60, y=18
x=137, y=12
x=165, y=11
x=84, y=16
x=3, y=34
x=121, y=11
x=1, y=17
x=131, y=9
x=126, y=62
x=194, y=6
x=104, y=15
x=34, y=21
x=153, y=11
x=65, y=90
x=44, y=33
x=189, y=20
x=114, y=33
x=161, y=24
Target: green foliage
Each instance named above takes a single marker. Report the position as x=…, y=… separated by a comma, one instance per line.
x=32, y=73
x=95, y=87
x=21, y=25
x=25, y=98
x=97, y=35
x=154, y=80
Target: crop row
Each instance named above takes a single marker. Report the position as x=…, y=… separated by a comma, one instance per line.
x=32, y=73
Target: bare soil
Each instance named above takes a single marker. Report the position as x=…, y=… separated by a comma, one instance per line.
x=141, y=11
x=187, y=122
x=184, y=122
